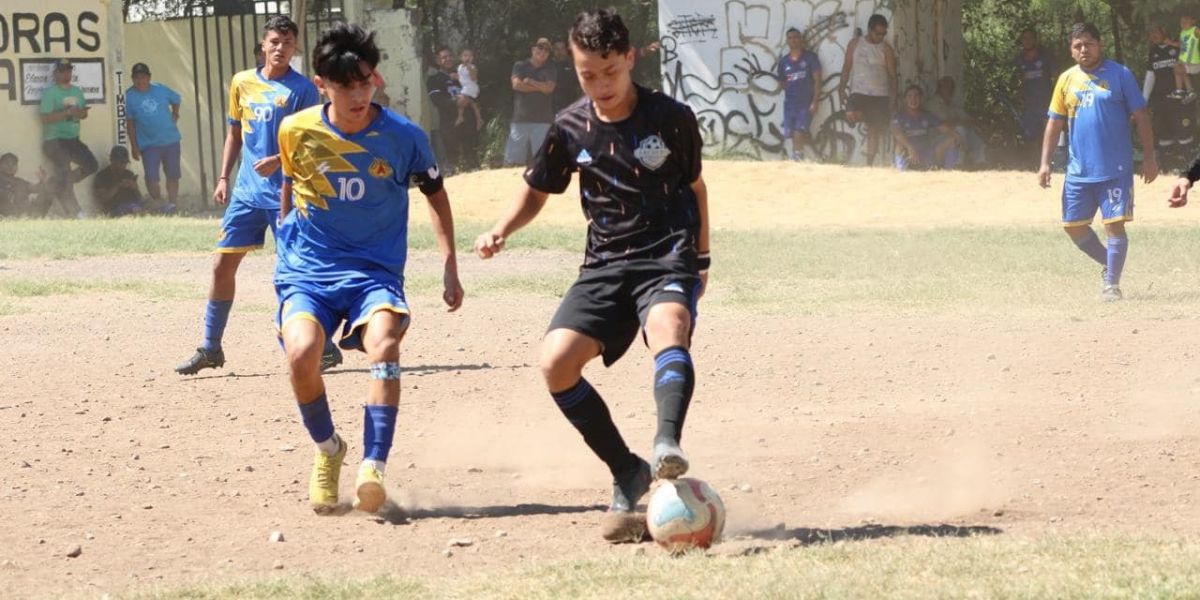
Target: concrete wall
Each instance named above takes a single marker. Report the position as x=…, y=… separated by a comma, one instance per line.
x=35, y=32
x=402, y=69
x=719, y=56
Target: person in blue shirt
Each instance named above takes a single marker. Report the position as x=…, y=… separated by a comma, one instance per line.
x=342, y=247
x=1097, y=97
x=259, y=99
x=800, y=72
x=1035, y=73
x=152, y=110
x=914, y=129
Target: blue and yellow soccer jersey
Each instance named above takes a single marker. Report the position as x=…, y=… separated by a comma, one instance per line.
x=350, y=194
x=1097, y=106
x=259, y=106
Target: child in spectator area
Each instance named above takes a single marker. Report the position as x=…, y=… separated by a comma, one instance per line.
x=913, y=128
x=1189, y=59
x=468, y=78
x=15, y=191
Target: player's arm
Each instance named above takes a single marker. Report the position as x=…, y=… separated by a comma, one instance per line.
x=528, y=204
x=847, y=68
x=233, y=144
x=818, y=80
x=702, y=248
x=889, y=59
x=443, y=228
x=903, y=143
x=1141, y=118
x=1148, y=84
x=1179, y=192
x=1054, y=128
x=135, y=151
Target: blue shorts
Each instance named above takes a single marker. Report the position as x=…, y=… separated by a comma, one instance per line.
x=164, y=158
x=244, y=227
x=796, y=119
x=327, y=304
x=1114, y=198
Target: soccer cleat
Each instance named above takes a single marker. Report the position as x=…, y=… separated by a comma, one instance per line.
x=323, y=485
x=369, y=491
x=202, y=359
x=331, y=359
x=1189, y=97
x=1177, y=95
x=669, y=460
x=1111, y=293
x=622, y=524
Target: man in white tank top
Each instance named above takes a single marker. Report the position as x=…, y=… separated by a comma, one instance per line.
x=869, y=71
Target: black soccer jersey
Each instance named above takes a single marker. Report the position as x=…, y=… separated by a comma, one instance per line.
x=1162, y=62
x=635, y=177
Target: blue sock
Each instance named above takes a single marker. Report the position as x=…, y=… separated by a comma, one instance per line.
x=379, y=427
x=1118, y=248
x=317, y=419
x=1091, y=246
x=216, y=315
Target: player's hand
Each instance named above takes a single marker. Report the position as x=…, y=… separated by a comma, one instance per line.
x=1044, y=176
x=453, y=295
x=703, y=284
x=1179, y=193
x=488, y=245
x=1149, y=170
x=842, y=95
x=267, y=166
x=221, y=193
x=134, y=154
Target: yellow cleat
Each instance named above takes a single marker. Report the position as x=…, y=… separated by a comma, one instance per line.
x=370, y=493
x=323, y=485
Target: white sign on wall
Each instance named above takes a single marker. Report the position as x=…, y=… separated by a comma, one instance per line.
x=38, y=73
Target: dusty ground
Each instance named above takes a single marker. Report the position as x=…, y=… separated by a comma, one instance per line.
x=1027, y=426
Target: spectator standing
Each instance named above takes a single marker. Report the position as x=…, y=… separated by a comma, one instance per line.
x=533, y=83
x=800, y=72
x=1175, y=134
x=1035, y=70
x=869, y=71
x=153, y=110
x=566, y=83
x=446, y=94
x=115, y=187
x=944, y=107
x=63, y=107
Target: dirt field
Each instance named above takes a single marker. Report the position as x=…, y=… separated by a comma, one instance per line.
x=1024, y=425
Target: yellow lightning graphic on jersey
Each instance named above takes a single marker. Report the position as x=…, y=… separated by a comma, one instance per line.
x=317, y=158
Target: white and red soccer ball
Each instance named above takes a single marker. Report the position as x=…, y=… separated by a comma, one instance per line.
x=684, y=514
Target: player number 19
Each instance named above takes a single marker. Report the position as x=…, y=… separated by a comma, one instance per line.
x=351, y=188
x=1114, y=195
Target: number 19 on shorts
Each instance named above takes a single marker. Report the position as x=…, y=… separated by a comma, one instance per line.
x=351, y=188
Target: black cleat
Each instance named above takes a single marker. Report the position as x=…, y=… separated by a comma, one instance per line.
x=331, y=359
x=621, y=524
x=202, y=359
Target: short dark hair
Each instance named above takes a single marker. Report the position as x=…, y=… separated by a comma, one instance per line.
x=340, y=49
x=913, y=86
x=8, y=157
x=442, y=47
x=600, y=31
x=1081, y=29
x=1029, y=30
x=875, y=21
x=281, y=24
x=792, y=30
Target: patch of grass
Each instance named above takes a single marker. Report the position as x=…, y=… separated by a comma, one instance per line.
x=906, y=567
x=38, y=288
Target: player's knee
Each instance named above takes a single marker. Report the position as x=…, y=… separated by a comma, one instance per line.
x=224, y=269
x=558, y=366
x=303, y=354
x=669, y=329
x=382, y=348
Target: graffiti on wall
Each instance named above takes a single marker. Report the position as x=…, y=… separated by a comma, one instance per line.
x=719, y=57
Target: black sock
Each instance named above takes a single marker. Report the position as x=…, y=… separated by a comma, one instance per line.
x=674, y=380
x=586, y=410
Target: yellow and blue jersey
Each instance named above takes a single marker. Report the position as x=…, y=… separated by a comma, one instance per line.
x=1097, y=105
x=350, y=194
x=259, y=105
x=1189, y=46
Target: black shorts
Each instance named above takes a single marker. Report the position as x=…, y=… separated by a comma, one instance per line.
x=1172, y=123
x=876, y=110
x=610, y=303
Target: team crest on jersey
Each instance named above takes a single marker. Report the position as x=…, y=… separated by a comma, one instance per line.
x=380, y=169
x=584, y=158
x=281, y=100
x=652, y=152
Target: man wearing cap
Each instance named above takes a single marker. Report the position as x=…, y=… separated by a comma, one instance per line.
x=152, y=110
x=533, y=83
x=115, y=187
x=63, y=107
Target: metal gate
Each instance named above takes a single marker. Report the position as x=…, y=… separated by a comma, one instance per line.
x=223, y=36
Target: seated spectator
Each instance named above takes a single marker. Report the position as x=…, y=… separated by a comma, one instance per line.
x=943, y=107
x=15, y=191
x=913, y=129
x=115, y=187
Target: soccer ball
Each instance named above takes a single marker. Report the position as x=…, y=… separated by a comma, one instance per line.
x=684, y=514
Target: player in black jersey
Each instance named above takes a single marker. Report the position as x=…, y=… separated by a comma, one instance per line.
x=1172, y=123
x=637, y=152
